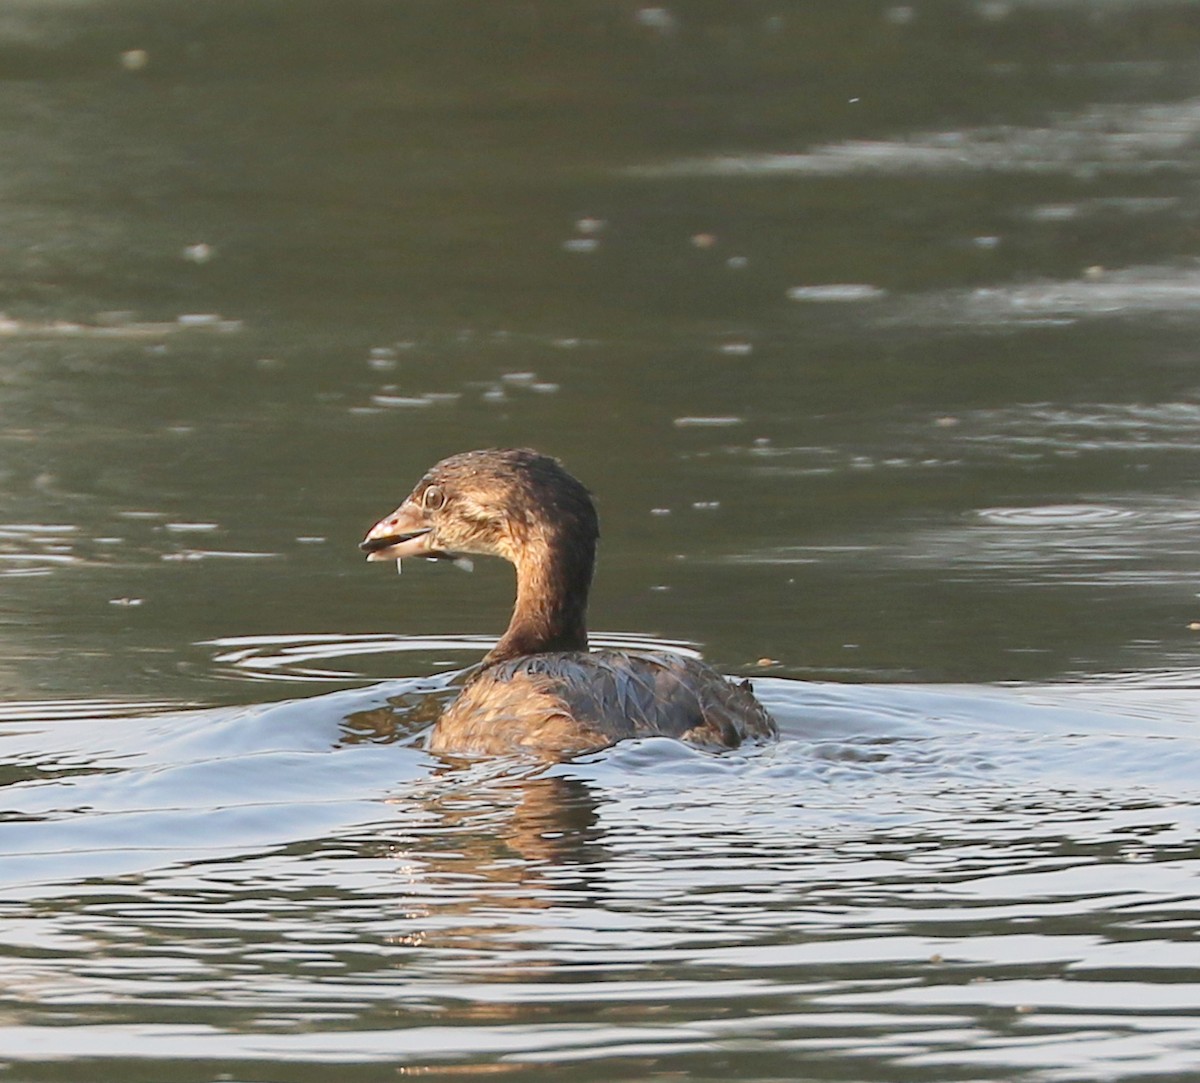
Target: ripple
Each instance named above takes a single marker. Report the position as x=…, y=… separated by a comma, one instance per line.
x=1058, y=515
x=1109, y=139
x=301, y=657
x=914, y=873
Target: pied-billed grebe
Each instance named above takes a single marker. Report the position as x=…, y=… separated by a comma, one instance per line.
x=540, y=689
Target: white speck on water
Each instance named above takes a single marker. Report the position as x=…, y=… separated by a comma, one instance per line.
x=399, y=400
x=125, y=603
x=837, y=291
x=656, y=18
x=219, y=554
x=519, y=377
x=134, y=59
x=994, y=11
x=736, y=349
x=589, y=225
x=737, y=263
x=311, y=539
x=198, y=253
x=190, y=528
x=544, y=388
x=660, y=511
x=987, y=242
x=706, y=505
x=581, y=244
x=381, y=364
x=707, y=422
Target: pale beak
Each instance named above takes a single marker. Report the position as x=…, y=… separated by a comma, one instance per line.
x=404, y=533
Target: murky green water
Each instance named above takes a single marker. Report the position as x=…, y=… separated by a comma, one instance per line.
x=874, y=330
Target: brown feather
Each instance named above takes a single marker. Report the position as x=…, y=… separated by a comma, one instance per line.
x=541, y=691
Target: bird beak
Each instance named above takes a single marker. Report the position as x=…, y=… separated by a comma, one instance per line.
x=404, y=533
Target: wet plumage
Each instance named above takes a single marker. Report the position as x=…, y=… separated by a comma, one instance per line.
x=540, y=690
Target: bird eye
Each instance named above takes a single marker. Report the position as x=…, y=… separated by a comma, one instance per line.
x=433, y=499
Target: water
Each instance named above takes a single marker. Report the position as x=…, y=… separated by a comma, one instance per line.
x=915, y=880
x=873, y=331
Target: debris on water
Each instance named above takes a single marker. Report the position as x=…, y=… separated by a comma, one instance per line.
x=947, y=422
x=737, y=263
x=660, y=511
x=208, y=554
x=208, y=320
x=736, y=349
x=125, y=603
x=987, y=242
x=706, y=505
x=382, y=358
x=524, y=378
x=311, y=539
x=707, y=422
x=994, y=11
x=581, y=244
x=399, y=400
x=198, y=253
x=1194, y=626
x=590, y=225
x=837, y=291
x=190, y=528
x=656, y=18
x=135, y=59
x=765, y=662
x=704, y=240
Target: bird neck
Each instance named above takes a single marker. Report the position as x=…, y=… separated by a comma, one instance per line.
x=554, y=576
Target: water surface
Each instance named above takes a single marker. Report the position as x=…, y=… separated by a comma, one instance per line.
x=873, y=329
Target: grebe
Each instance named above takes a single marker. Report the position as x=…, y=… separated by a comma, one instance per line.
x=540, y=690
